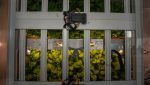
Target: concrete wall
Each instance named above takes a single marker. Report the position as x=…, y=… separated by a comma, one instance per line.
x=3, y=40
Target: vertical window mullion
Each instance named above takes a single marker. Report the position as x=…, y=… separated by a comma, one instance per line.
x=43, y=59
x=86, y=5
x=65, y=58
x=86, y=55
x=107, y=55
x=127, y=6
x=107, y=6
x=23, y=5
x=128, y=55
x=44, y=5
x=65, y=5
x=22, y=47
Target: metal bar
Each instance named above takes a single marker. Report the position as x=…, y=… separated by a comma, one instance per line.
x=65, y=55
x=65, y=5
x=128, y=55
x=86, y=55
x=23, y=5
x=139, y=39
x=107, y=6
x=44, y=5
x=10, y=75
x=127, y=6
x=107, y=54
x=22, y=48
x=65, y=59
x=43, y=59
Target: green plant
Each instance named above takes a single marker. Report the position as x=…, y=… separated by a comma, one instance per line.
x=54, y=65
x=117, y=6
x=97, y=5
x=32, y=65
x=34, y=5
x=76, y=4
x=55, y=5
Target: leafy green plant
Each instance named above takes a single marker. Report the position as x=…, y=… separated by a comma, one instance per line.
x=97, y=34
x=77, y=34
x=97, y=5
x=54, y=34
x=97, y=65
x=117, y=6
x=34, y=5
x=76, y=65
x=54, y=65
x=76, y=4
x=117, y=34
x=32, y=65
x=55, y=5
x=33, y=34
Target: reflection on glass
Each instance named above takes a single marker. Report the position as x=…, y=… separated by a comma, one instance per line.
x=76, y=5
x=55, y=5
x=32, y=59
x=117, y=6
x=97, y=56
x=17, y=55
x=97, y=5
x=54, y=55
x=118, y=55
x=76, y=55
x=34, y=5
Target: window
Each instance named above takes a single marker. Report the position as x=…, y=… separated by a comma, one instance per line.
x=101, y=50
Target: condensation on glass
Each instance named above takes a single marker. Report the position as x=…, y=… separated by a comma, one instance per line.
x=117, y=55
x=97, y=5
x=76, y=54
x=55, y=5
x=54, y=55
x=97, y=56
x=117, y=6
x=34, y=5
x=76, y=5
x=33, y=54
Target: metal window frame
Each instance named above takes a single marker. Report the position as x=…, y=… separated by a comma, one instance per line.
x=138, y=25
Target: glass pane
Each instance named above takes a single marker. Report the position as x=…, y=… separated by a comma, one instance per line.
x=32, y=59
x=34, y=5
x=97, y=5
x=18, y=5
x=54, y=55
x=76, y=55
x=118, y=55
x=55, y=5
x=17, y=55
x=117, y=6
x=97, y=56
x=76, y=5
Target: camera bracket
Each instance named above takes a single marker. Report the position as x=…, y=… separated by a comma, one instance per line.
x=72, y=19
